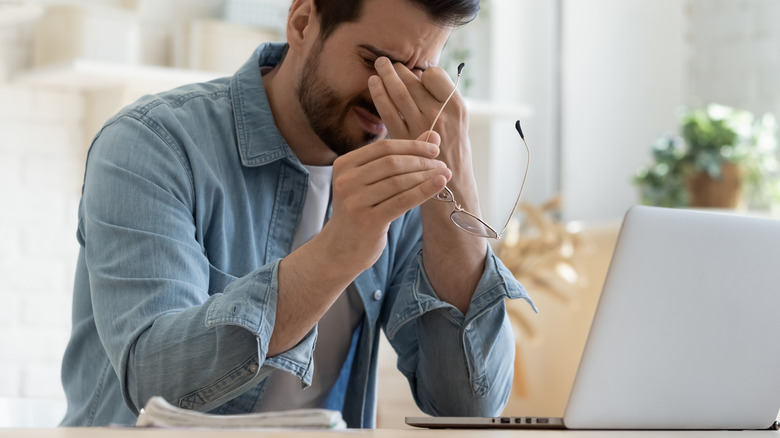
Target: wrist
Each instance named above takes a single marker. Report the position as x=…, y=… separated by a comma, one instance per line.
x=342, y=253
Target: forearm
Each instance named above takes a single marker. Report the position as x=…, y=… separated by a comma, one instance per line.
x=311, y=278
x=454, y=260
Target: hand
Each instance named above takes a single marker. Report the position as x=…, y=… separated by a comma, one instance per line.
x=408, y=105
x=374, y=185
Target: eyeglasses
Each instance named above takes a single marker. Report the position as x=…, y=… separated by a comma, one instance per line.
x=465, y=220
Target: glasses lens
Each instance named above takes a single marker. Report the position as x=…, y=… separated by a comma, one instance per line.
x=472, y=224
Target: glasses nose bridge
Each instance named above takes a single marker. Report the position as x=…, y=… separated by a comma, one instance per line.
x=445, y=195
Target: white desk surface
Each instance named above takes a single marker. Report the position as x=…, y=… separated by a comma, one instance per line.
x=358, y=433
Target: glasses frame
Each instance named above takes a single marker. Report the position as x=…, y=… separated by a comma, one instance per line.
x=446, y=194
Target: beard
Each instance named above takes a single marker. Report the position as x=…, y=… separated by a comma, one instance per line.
x=326, y=111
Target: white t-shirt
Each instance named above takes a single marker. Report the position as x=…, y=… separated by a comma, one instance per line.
x=315, y=207
x=284, y=390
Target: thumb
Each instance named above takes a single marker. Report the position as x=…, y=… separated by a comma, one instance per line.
x=430, y=137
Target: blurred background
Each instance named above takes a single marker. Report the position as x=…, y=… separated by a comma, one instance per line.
x=621, y=102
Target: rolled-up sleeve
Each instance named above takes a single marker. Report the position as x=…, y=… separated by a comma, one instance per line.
x=171, y=323
x=457, y=365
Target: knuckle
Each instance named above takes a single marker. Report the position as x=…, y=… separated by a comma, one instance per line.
x=401, y=200
x=433, y=72
x=393, y=162
x=425, y=163
x=388, y=146
x=341, y=183
x=397, y=183
x=339, y=163
x=458, y=102
x=406, y=99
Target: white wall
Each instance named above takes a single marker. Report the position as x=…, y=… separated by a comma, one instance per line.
x=525, y=60
x=735, y=56
x=623, y=81
x=41, y=160
x=513, y=66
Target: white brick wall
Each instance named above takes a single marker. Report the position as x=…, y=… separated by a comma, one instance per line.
x=41, y=163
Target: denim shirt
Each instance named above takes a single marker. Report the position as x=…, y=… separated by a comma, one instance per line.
x=190, y=200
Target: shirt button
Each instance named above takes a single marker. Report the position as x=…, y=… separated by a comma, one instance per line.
x=253, y=368
x=377, y=294
x=469, y=327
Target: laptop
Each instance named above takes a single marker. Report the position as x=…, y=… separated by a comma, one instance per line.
x=686, y=332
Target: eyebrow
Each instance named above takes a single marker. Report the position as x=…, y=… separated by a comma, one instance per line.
x=379, y=52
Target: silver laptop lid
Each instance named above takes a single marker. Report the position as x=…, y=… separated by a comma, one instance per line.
x=686, y=331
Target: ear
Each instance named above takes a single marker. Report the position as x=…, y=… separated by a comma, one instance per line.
x=302, y=23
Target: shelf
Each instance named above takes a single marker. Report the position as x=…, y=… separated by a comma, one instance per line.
x=12, y=13
x=86, y=75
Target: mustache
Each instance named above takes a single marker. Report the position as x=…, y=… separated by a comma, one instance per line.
x=366, y=104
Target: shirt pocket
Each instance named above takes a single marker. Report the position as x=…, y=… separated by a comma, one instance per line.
x=218, y=280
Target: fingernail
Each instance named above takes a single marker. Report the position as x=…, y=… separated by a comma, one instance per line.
x=373, y=80
x=382, y=60
x=440, y=164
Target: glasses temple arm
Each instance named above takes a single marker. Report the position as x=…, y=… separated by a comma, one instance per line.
x=436, y=119
x=525, y=175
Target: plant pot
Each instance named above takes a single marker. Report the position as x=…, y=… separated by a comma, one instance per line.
x=726, y=192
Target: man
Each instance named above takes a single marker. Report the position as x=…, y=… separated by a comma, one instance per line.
x=206, y=275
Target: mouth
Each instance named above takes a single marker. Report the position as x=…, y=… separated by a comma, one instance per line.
x=370, y=122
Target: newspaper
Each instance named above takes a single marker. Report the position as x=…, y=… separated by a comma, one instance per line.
x=160, y=413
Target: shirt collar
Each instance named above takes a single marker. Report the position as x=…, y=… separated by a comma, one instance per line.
x=259, y=140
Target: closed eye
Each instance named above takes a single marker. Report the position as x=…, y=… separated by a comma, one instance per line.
x=368, y=61
x=368, y=56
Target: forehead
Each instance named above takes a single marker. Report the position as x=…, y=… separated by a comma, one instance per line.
x=398, y=29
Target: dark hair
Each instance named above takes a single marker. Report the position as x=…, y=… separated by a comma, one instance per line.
x=442, y=12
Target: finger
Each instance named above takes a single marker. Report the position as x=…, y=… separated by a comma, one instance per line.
x=366, y=154
x=395, y=165
x=438, y=83
x=430, y=137
x=388, y=188
x=398, y=204
x=427, y=103
x=389, y=114
x=396, y=89
x=411, y=81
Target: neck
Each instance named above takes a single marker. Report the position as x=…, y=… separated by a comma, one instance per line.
x=290, y=119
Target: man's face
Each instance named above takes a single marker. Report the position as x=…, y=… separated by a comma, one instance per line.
x=333, y=87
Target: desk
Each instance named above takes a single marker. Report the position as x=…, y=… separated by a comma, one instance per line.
x=364, y=433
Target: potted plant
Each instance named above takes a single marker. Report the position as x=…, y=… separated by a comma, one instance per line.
x=722, y=158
